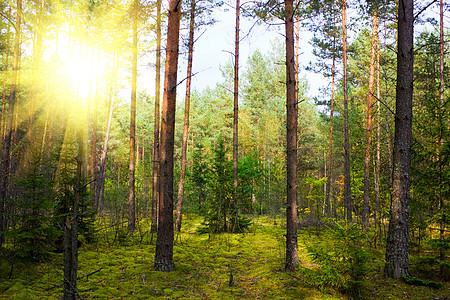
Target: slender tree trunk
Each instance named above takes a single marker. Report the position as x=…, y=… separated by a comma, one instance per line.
x=348, y=205
x=71, y=231
x=291, y=151
x=397, y=241
x=5, y=166
x=442, y=103
x=330, y=138
x=186, y=119
x=236, y=100
x=100, y=186
x=93, y=173
x=378, y=153
x=164, y=242
x=156, y=186
x=3, y=122
x=131, y=180
x=366, y=205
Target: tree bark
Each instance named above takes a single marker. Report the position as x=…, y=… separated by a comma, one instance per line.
x=366, y=204
x=397, y=240
x=70, y=289
x=442, y=103
x=132, y=165
x=236, y=100
x=156, y=187
x=330, y=138
x=3, y=122
x=348, y=205
x=378, y=151
x=186, y=119
x=5, y=166
x=100, y=186
x=164, y=242
x=291, y=151
x=93, y=172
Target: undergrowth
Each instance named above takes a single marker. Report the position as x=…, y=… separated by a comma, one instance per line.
x=207, y=266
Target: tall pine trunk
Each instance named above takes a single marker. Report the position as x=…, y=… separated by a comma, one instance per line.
x=377, y=214
x=6, y=66
x=70, y=289
x=442, y=255
x=186, y=119
x=164, y=241
x=156, y=186
x=348, y=205
x=291, y=151
x=330, y=138
x=366, y=204
x=100, y=186
x=236, y=101
x=5, y=166
x=132, y=165
x=397, y=240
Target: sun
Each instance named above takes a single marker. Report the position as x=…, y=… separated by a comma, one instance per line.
x=80, y=63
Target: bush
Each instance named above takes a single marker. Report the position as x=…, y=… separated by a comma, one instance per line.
x=344, y=262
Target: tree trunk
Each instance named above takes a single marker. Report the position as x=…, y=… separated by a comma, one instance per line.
x=164, y=242
x=186, y=119
x=93, y=173
x=442, y=103
x=156, y=186
x=378, y=153
x=366, y=205
x=348, y=205
x=330, y=138
x=236, y=101
x=70, y=289
x=3, y=122
x=131, y=180
x=100, y=186
x=397, y=240
x=5, y=166
x=291, y=151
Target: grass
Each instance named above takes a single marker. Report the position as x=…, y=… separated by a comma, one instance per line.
x=222, y=266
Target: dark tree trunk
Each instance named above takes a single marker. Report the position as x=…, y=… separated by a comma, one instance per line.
x=131, y=180
x=397, y=240
x=186, y=119
x=442, y=254
x=3, y=122
x=330, y=139
x=236, y=100
x=93, y=173
x=5, y=166
x=156, y=187
x=366, y=205
x=100, y=186
x=378, y=152
x=291, y=151
x=70, y=246
x=164, y=242
x=348, y=205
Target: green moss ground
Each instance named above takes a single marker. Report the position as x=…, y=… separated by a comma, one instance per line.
x=203, y=266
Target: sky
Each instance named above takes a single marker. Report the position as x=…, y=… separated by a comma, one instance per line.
x=214, y=47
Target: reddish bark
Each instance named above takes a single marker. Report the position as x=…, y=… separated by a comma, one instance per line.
x=164, y=242
x=291, y=151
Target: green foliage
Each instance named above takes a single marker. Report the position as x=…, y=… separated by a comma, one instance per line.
x=224, y=206
x=343, y=261
x=420, y=282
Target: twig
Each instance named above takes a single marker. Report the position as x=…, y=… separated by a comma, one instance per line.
x=89, y=274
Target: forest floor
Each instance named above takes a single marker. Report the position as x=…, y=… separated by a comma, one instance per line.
x=221, y=266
